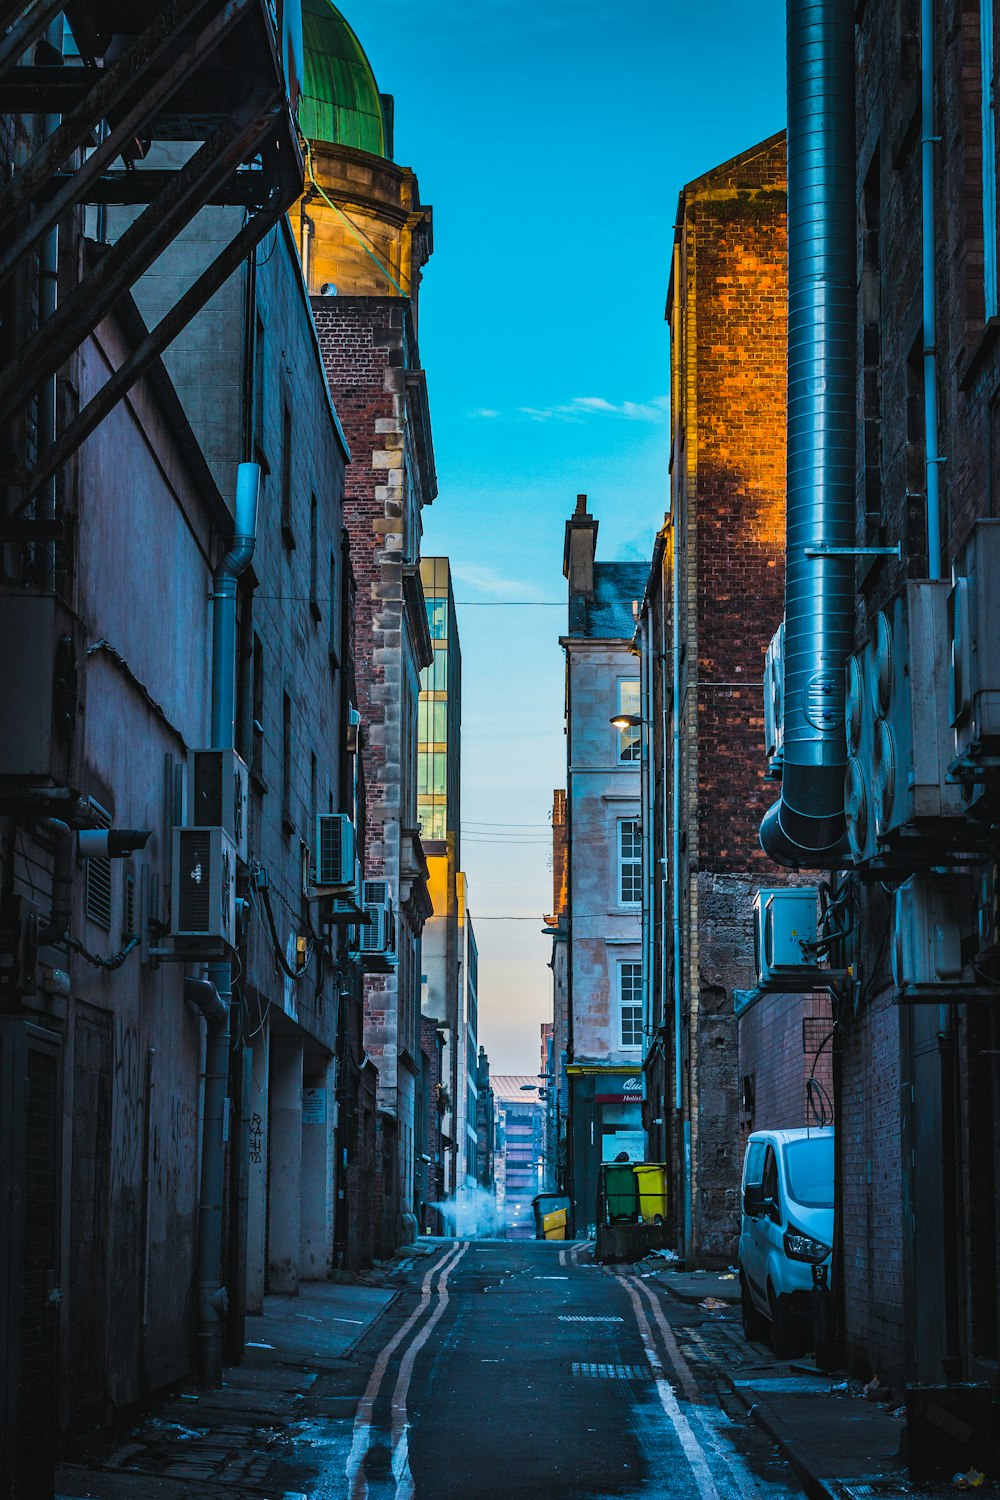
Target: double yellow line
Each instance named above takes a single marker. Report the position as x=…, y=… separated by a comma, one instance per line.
x=357, y=1484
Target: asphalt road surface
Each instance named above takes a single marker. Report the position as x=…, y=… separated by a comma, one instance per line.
x=522, y=1369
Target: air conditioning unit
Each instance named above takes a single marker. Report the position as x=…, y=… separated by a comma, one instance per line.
x=859, y=721
x=334, y=861
x=927, y=935
x=974, y=629
x=911, y=749
x=376, y=933
x=221, y=794
x=348, y=904
x=988, y=909
x=774, y=687
x=785, y=928
x=899, y=804
x=203, y=886
x=39, y=690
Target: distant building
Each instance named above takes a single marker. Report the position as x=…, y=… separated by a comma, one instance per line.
x=520, y=1151
x=430, y=1138
x=439, y=765
x=557, y=927
x=547, y=1076
x=364, y=237
x=485, y=1123
x=467, y=1134
x=605, y=992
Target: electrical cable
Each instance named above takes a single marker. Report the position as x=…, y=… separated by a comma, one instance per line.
x=27, y=863
x=114, y=962
x=359, y=235
x=824, y=1114
x=294, y=974
x=279, y=956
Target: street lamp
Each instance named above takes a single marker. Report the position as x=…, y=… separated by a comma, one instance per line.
x=628, y=721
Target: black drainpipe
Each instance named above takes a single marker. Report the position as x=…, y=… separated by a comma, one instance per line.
x=806, y=826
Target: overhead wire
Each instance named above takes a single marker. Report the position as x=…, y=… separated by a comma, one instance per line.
x=358, y=234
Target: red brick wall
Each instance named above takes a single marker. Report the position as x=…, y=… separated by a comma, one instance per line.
x=780, y=1039
x=740, y=245
x=729, y=329
x=872, y=1194
x=360, y=339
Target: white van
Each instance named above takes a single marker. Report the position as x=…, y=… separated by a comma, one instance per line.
x=786, y=1230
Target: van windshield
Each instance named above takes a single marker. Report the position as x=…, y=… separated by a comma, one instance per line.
x=809, y=1165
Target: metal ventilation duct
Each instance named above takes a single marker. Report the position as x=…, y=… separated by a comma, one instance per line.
x=807, y=825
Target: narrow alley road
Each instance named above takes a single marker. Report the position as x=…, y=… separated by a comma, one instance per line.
x=496, y=1370
x=522, y=1369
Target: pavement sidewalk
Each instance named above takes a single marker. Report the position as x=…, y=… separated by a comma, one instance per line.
x=840, y=1445
x=202, y=1444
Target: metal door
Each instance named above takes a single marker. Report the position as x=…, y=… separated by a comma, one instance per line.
x=30, y=1115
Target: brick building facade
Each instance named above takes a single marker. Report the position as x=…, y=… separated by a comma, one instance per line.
x=919, y=1086
x=722, y=546
x=364, y=238
x=367, y=349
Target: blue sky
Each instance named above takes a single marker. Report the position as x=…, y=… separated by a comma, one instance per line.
x=551, y=138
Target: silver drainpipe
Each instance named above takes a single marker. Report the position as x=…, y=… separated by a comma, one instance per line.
x=807, y=825
x=211, y=1295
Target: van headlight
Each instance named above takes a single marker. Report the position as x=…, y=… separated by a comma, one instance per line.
x=799, y=1246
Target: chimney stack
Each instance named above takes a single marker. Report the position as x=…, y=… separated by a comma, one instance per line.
x=578, y=553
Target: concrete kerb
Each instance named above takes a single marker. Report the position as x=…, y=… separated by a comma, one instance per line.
x=768, y=1421
x=693, y=1288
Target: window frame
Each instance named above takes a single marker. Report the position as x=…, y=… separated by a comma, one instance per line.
x=634, y=744
x=624, y=1046
x=314, y=607
x=285, y=476
x=632, y=864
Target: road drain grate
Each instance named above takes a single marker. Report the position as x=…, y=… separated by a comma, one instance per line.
x=885, y=1489
x=581, y=1318
x=612, y=1372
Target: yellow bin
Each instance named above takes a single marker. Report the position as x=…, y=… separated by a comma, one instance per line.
x=554, y=1225
x=651, y=1180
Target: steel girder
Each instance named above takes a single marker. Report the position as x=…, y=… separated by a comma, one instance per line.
x=125, y=80
x=126, y=260
x=145, y=353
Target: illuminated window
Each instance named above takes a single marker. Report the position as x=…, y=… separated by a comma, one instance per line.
x=630, y=1003
x=628, y=703
x=629, y=861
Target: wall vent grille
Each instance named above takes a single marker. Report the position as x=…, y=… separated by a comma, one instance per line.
x=98, y=881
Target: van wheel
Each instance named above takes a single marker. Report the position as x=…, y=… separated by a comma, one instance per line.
x=786, y=1335
x=754, y=1322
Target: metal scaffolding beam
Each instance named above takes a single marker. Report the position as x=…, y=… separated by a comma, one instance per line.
x=145, y=354
x=248, y=188
x=137, y=249
x=27, y=31
x=120, y=80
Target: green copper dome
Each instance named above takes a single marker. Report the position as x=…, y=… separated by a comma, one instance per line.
x=339, y=102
